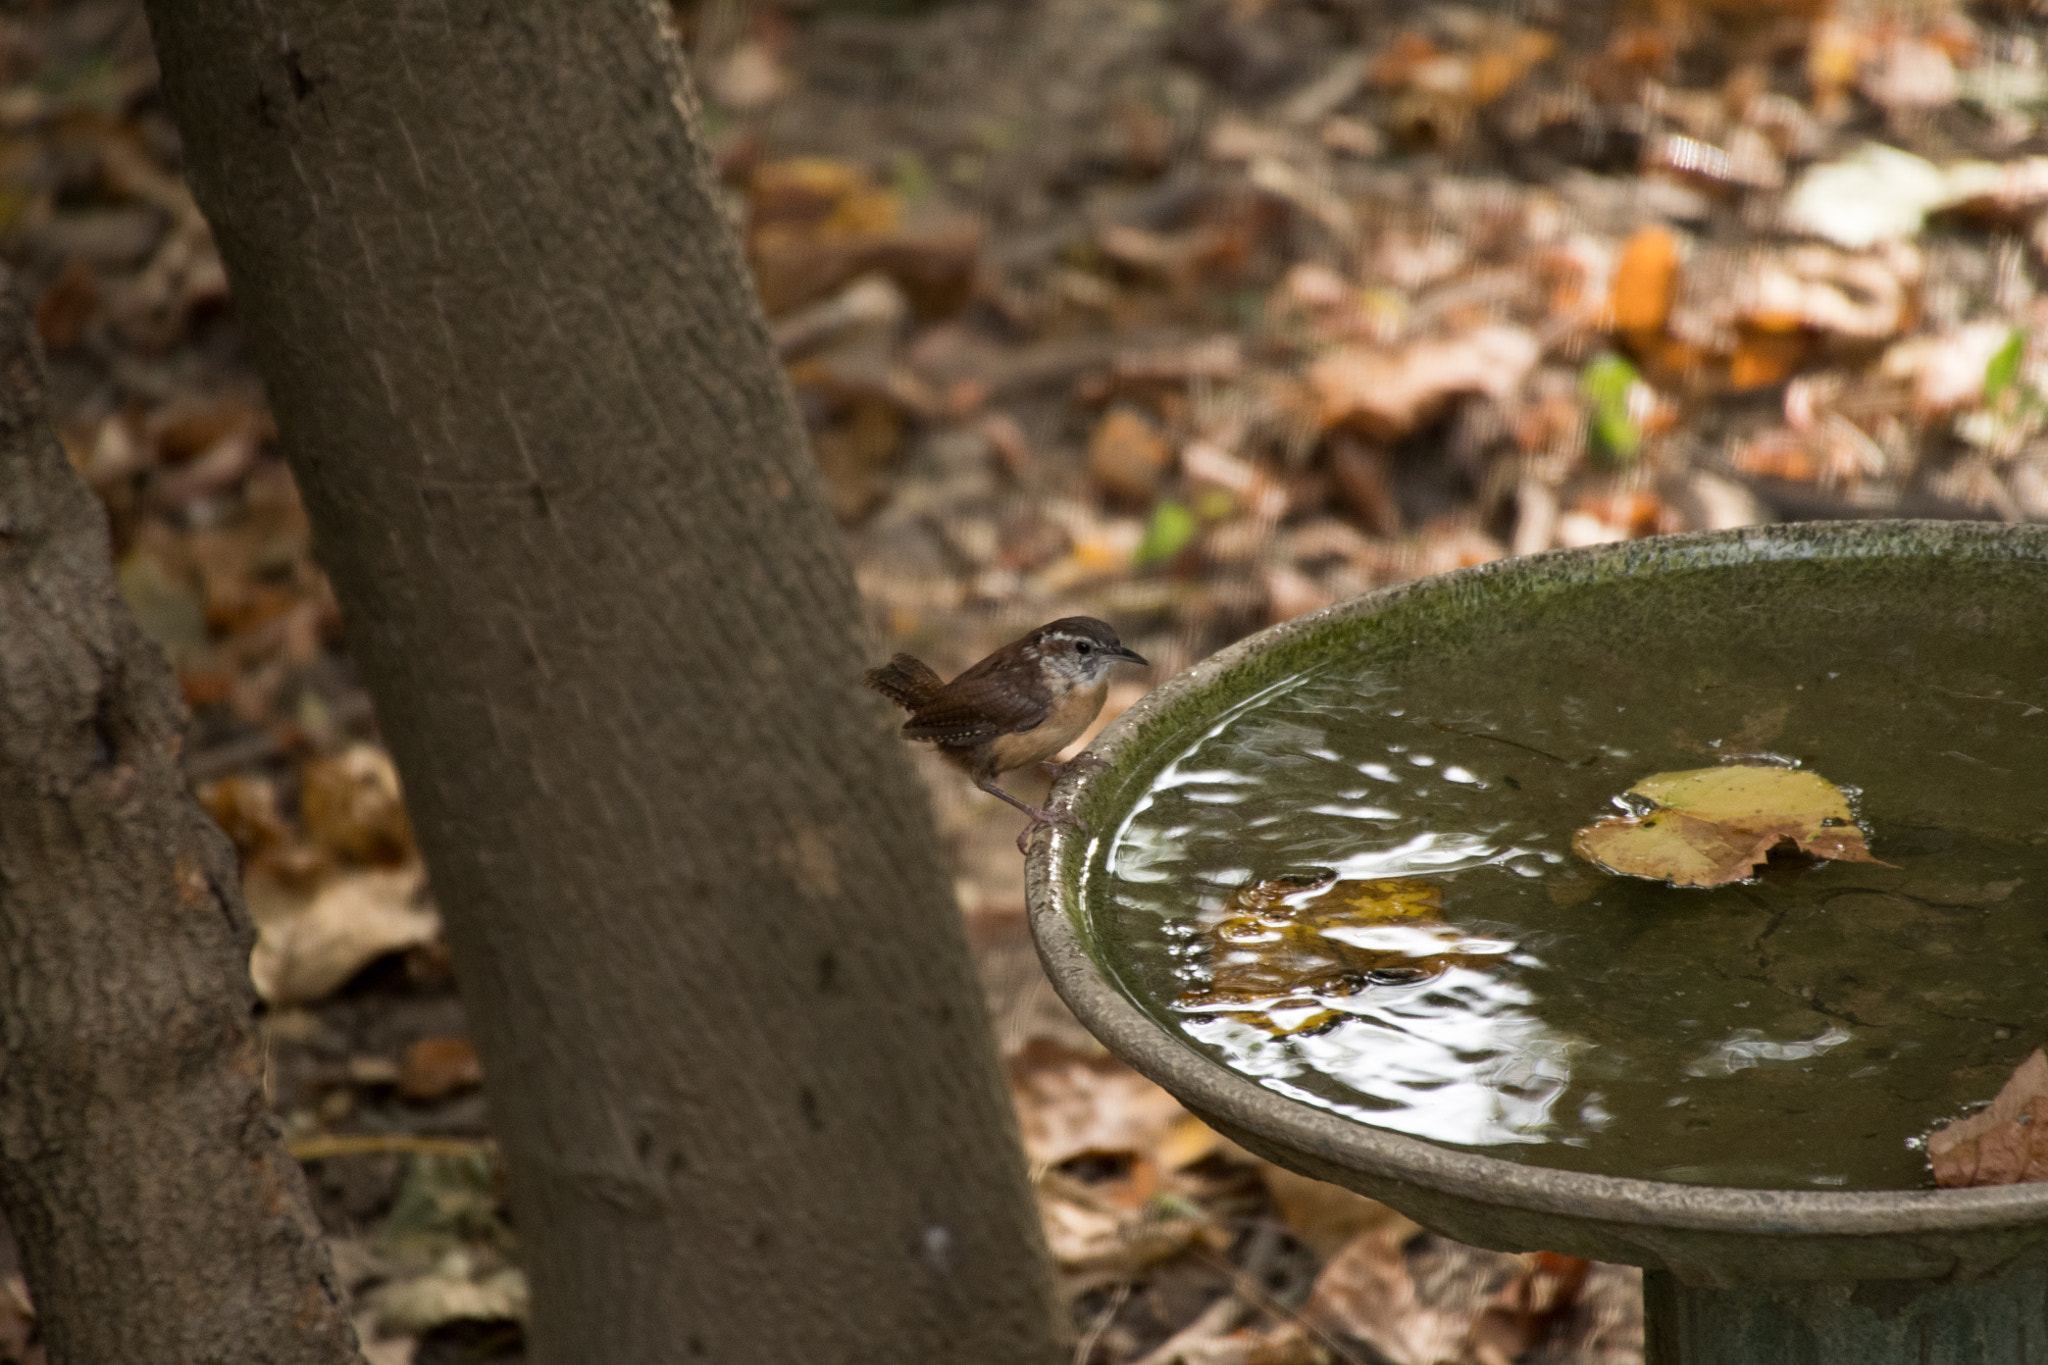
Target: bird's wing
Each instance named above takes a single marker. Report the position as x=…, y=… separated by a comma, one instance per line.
x=973, y=710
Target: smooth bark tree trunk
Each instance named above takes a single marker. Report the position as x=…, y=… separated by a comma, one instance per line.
x=159, y=1217
x=734, y=1048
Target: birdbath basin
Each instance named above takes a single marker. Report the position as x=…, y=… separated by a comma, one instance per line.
x=1722, y=1086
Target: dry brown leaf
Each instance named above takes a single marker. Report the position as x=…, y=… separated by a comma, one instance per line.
x=816, y=223
x=66, y=309
x=1645, y=281
x=457, y=1289
x=1778, y=454
x=1763, y=358
x=1326, y=1218
x=350, y=804
x=2007, y=1143
x=750, y=77
x=307, y=946
x=1947, y=370
x=1910, y=73
x=245, y=807
x=1366, y=1292
x=436, y=1068
x=1093, y=1237
x=18, y=1323
x=1180, y=260
x=1438, y=1302
x=1127, y=457
x=1857, y=295
x=1071, y=1104
x=1391, y=392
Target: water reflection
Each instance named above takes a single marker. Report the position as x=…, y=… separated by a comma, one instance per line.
x=1462, y=1058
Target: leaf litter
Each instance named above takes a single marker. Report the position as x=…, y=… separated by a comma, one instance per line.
x=1388, y=298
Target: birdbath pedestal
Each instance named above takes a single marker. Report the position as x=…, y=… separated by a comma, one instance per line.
x=1733, y=1276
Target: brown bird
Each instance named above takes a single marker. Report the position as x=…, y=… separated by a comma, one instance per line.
x=1019, y=706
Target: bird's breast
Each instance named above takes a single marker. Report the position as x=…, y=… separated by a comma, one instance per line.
x=1070, y=714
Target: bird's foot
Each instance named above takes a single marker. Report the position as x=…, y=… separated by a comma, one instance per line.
x=1079, y=763
x=1040, y=818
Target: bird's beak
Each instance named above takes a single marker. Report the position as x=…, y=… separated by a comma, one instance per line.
x=1126, y=652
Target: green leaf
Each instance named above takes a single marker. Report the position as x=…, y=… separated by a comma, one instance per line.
x=2004, y=370
x=1169, y=532
x=909, y=177
x=1606, y=382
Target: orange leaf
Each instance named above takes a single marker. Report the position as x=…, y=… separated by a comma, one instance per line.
x=1645, y=281
x=1763, y=358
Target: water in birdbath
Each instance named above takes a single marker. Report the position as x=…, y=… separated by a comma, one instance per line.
x=1801, y=1029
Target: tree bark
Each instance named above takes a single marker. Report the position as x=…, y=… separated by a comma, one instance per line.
x=159, y=1217
x=735, y=1053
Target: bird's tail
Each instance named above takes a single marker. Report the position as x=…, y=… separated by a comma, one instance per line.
x=906, y=680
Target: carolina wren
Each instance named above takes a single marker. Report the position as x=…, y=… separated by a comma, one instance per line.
x=1019, y=706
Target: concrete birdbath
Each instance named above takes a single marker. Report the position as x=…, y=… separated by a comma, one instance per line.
x=1471, y=1022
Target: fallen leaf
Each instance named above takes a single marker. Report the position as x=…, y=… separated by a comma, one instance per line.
x=1070, y=1104
x=1911, y=73
x=245, y=807
x=166, y=602
x=455, y=1290
x=1880, y=193
x=1862, y=297
x=308, y=946
x=1391, y=392
x=436, y=1068
x=750, y=77
x=815, y=223
x=1168, y=532
x=2003, y=1145
x=1127, y=457
x=1711, y=826
x=350, y=804
x=1104, y=1242
x=1368, y=1293
x=1326, y=1218
x=447, y=1203
x=1763, y=358
x=18, y=1333
x=66, y=309
x=1645, y=281
x=400, y=1350
x=1610, y=383
x=1281, y=951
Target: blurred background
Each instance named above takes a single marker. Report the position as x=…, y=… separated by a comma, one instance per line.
x=1190, y=314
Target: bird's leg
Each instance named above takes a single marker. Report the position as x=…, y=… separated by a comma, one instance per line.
x=1038, y=817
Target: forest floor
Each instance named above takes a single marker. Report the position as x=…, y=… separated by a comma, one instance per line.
x=1190, y=314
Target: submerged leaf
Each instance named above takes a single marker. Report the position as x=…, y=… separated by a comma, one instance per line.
x=1282, y=948
x=1711, y=826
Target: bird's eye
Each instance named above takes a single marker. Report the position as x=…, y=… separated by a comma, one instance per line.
x=1083, y=648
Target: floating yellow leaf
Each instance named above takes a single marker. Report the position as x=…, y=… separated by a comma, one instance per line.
x=1711, y=826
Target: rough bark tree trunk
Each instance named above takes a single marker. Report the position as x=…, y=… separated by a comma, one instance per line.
x=734, y=1048
x=159, y=1216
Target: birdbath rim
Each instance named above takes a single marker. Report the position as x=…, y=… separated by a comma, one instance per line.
x=1707, y=1233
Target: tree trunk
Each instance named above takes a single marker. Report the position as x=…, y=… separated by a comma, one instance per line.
x=159, y=1216
x=736, y=1056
